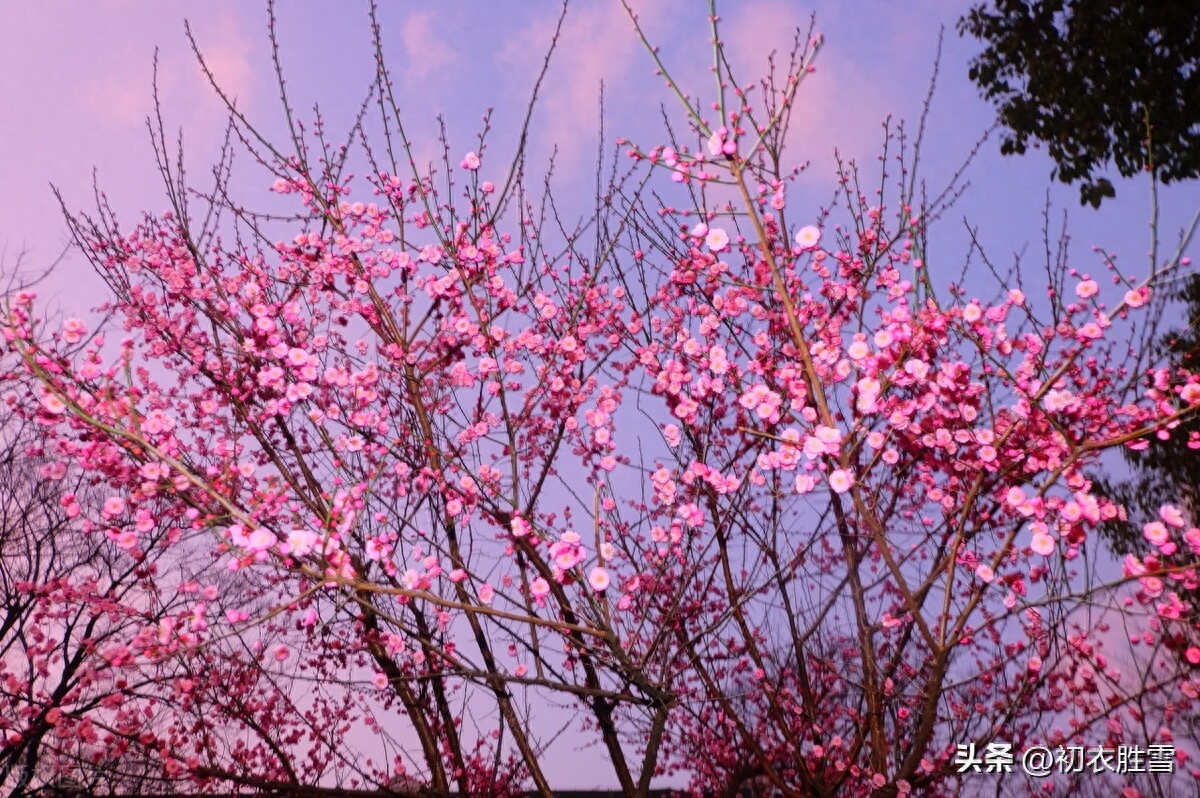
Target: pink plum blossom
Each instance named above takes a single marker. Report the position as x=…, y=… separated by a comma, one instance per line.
x=841, y=480
x=717, y=239
x=808, y=237
x=599, y=580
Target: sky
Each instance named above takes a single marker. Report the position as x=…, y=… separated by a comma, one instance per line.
x=76, y=78
x=76, y=82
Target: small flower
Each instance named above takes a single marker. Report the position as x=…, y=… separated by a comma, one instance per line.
x=1086, y=289
x=985, y=573
x=53, y=405
x=672, y=435
x=599, y=580
x=1156, y=533
x=470, y=161
x=261, y=540
x=841, y=481
x=1136, y=297
x=1042, y=544
x=717, y=239
x=808, y=237
x=918, y=369
x=73, y=331
x=1170, y=513
x=486, y=593
x=716, y=142
x=300, y=542
x=830, y=436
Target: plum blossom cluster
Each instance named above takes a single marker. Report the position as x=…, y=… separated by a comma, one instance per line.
x=813, y=378
x=949, y=441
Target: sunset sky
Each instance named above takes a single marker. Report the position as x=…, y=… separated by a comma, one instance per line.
x=76, y=83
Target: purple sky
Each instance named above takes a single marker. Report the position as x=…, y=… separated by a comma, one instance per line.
x=76, y=88
x=75, y=79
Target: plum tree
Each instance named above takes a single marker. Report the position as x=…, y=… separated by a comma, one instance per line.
x=731, y=479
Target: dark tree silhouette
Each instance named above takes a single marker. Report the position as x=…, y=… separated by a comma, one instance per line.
x=1168, y=470
x=1096, y=83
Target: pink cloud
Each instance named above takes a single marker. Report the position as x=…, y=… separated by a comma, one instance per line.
x=228, y=55
x=838, y=106
x=77, y=90
x=427, y=56
x=598, y=45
